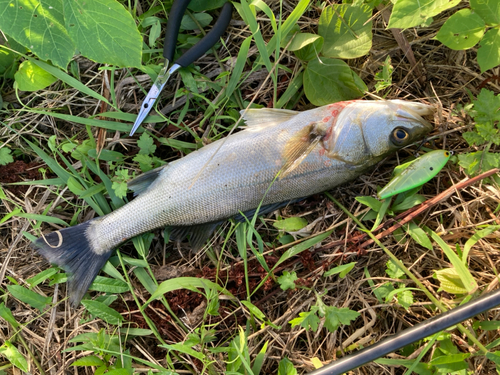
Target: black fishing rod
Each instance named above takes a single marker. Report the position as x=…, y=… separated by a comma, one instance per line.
x=411, y=335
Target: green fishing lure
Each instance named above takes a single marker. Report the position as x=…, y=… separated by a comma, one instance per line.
x=415, y=173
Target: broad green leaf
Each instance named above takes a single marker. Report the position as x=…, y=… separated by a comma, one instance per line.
x=306, y=46
x=381, y=213
x=73, y=82
x=8, y=63
x=405, y=298
x=417, y=366
x=146, y=144
x=201, y=5
x=371, y=202
x=254, y=310
x=31, y=77
x=419, y=235
x=203, y=20
x=29, y=297
x=494, y=357
x=488, y=131
x=14, y=356
x=474, y=138
x=451, y=362
x=488, y=10
x=120, y=189
x=382, y=291
x=103, y=312
x=297, y=249
x=488, y=54
x=328, y=81
x=39, y=26
x=462, y=30
x=450, y=281
x=42, y=276
x=107, y=285
x=90, y=360
x=307, y=320
x=487, y=106
x=74, y=186
x=468, y=281
x=411, y=13
x=487, y=325
x=104, y=31
x=335, y=316
x=5, y=156
x=470, y=162
x=346, y=30
x=190, y=283
x=342, y=270
x=285, y=367
x=6, y=314
x=106, y=155
x=181, y=348
x=287, y=280
x=394, y=271
x=291, y=224
x=408, y=202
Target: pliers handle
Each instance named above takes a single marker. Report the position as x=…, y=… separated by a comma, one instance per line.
x=207, y=42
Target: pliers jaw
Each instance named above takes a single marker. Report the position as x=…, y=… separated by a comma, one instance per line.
x=154, y=93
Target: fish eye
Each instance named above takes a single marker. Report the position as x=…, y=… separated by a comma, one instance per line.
x=399, y=136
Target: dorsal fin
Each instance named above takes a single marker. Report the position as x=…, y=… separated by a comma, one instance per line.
x=264, y=117
x=140, y=184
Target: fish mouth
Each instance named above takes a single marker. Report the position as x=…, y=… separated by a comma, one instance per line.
x=413, y=112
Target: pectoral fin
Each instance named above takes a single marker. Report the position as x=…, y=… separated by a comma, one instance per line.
x=300, y=145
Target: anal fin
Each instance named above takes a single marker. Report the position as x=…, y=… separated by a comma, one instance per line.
x=198, y=234
x=266, y=209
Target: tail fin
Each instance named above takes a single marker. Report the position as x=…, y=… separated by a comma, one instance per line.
x=73, y=251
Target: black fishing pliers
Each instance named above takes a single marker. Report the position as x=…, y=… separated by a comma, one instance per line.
x=195, y=52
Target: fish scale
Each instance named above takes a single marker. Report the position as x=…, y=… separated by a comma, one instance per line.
x=279, y=157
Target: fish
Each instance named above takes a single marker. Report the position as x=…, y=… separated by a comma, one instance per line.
x=280, y=156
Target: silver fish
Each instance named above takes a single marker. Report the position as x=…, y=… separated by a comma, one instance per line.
x=310, y=152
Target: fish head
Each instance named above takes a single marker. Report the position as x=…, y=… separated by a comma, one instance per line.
x=367, y=131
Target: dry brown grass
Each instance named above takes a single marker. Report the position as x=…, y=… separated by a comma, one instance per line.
x=446, y=77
